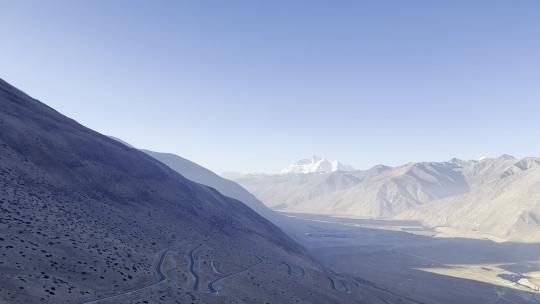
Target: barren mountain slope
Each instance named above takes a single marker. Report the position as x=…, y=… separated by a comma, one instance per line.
x=85, y=219
x=201, y=175
x=379, y=191
x=504, y=202
x=493, y=196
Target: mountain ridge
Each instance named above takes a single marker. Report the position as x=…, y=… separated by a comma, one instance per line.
x=409, y=191
x=315, y=165
x=85, y=217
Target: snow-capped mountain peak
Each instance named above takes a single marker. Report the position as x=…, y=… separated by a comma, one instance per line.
x=316, y=165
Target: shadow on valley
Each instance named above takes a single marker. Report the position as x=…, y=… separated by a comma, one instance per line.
x=407, y=259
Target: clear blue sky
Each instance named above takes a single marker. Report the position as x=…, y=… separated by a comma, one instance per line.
x=254, y=85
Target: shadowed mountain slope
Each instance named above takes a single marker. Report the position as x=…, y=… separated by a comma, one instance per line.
x=86, y=219
x=201, y=175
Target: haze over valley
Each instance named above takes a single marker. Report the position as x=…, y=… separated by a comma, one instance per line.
x=495, y=198
x=437, y=222
x=269, y=152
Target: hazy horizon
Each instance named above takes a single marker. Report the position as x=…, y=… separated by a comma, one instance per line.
x=253, y=87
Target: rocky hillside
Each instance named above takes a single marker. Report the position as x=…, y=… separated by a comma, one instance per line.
x=201, y=175
x=86, y=219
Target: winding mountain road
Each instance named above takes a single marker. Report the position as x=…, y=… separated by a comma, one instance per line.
x=290, y=267
x=214, y=268
x=345, y=289
x=211, y=286
x=158, y=269
x=291, y=270
x=191, y=268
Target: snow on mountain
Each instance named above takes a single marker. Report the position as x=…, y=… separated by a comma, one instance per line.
x=315, y=165
x=378, y=192
x=493, y=196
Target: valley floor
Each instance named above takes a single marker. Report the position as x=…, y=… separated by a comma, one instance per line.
x=423, y=264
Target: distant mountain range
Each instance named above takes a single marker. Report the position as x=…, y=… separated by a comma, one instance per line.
x=315, y=164
x=492, y=197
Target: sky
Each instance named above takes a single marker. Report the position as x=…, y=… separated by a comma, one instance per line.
x=251, y=86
